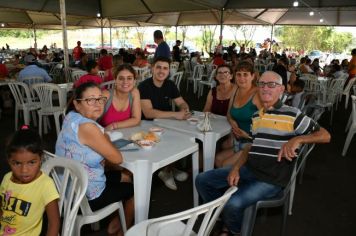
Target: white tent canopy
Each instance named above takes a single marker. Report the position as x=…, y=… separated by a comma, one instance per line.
x=82, y=13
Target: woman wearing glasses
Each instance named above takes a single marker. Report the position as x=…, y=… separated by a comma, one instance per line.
x=218, y=98
x=244, y=103
x=123, y=108
x=84, y=140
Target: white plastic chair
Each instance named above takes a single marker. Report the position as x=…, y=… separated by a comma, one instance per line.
x=210, y=83
x=351, y=126
x=101, y=73
x=172, y=225
x=177, y=78
x=346, y=91
x=76, y=74
x=24, y=102
x=197, y=76
x=71, y=181
x=88, y=216
x=32, y=80
x=187, y=68
x=142, y=73
x=284, y=198
x=45, y=94
x=109, y=85
x=174, y=66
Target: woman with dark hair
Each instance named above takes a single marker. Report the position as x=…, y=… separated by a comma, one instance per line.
x=218, y=98
x=244, y=103
x=123, y=108
x=84, y=140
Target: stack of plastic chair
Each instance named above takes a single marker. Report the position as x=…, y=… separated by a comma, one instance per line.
x=174, y=66
x=172, y=224
x=23, y=101
x=71, y=181
x=284, y=198
x=351, y=126
x=45, y=92
x=187, y=68
x=101, y=73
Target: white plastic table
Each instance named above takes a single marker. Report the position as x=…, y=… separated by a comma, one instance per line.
x=143, y=163
x=219, y=124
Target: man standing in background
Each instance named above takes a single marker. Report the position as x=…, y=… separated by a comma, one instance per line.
x=163, y=49
x=176, y=51
x=77, y=51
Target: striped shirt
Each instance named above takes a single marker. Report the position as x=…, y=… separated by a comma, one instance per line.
x=270, y=130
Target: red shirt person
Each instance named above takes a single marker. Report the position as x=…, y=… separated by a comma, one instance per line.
x=77, y=51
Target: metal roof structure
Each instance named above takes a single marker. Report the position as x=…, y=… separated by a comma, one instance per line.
x=116, y=13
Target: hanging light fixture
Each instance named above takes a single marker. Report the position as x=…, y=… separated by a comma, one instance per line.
x=311, y=13
x=295, y=3
x=98, y=15
x=321, y=20
x=2, y=25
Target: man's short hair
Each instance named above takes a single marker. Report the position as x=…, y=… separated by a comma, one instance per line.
x=158, y=34
x=178, y=41
x=30, y=59
x=276, y=75
x=164, y=59
x=353, y=52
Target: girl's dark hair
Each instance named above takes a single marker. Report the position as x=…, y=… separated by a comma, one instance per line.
x=245, y=66
x=24, y=139
x=78, y=93
x=91, y=64
x=122, y=67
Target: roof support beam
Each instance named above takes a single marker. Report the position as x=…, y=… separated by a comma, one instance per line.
x=43, y=5
x=259, y=14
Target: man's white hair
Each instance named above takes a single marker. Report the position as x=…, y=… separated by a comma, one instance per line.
x=275, y=75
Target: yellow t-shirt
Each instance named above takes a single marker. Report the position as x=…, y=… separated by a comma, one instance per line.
x=23, y=205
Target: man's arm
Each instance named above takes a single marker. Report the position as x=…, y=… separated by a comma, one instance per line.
x=179, y=101
x=288, y=149
x=234, y=175
x=152, y=113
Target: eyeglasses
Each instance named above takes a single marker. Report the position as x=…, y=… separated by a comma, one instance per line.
x=223, y=72
x=92, y=101
x=262, y=84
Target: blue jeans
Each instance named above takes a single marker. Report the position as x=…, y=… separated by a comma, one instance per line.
x=213, y=183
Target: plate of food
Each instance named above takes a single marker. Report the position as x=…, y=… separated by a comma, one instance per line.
x=146, y=144
x=157, y=130
x=149, y=136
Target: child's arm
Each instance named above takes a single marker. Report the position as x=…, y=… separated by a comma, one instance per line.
x=52, y=212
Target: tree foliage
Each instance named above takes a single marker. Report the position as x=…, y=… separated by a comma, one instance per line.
x=20, y=33
x=313, y=37
x=140, y=33
x=208, y=35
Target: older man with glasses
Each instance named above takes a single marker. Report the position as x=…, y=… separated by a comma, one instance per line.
x=264, y=168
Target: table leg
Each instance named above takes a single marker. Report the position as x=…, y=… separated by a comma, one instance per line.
x=195, y=170
x=142, y=189
x=209, y=147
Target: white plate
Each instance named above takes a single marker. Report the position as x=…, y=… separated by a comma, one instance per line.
x=146, y=144
x=114, y=135
x=156, y=130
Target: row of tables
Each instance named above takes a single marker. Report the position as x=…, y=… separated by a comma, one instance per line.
x=176, y=142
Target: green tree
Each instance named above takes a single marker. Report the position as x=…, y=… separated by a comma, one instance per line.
x=313, y=37
x=208, y=35
x=140, y=33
